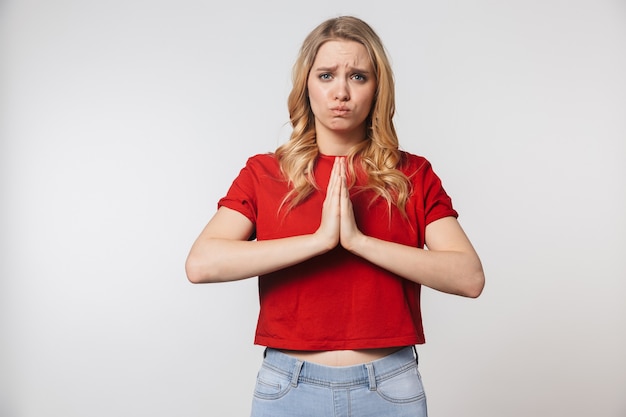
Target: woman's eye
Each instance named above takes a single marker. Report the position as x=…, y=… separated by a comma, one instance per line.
x=358, y=77
x=325, y=76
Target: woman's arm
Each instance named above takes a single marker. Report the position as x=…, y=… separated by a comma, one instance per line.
x=450, y=264
x=222, y=252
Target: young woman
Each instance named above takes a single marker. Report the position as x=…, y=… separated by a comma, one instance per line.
x=334, y=223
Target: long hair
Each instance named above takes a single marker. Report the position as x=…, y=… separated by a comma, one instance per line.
x=378, y=155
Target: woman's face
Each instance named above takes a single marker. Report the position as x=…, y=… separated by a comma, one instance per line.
x=341, y=87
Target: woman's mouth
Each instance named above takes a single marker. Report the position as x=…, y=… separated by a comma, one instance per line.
x=340, y=110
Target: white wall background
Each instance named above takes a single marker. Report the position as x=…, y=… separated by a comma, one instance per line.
x=123, y=122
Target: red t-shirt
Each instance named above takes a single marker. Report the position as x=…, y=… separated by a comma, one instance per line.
x=337, y=300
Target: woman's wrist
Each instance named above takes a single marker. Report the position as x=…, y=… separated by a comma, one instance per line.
x=321, y=243
x=357, y=244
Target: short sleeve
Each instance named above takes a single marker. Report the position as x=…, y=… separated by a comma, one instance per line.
x=437, y=202
x=241, y=195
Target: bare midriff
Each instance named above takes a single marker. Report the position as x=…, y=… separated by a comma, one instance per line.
x=341, y=357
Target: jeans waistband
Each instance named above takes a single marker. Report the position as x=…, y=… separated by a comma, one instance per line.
x=369, y=374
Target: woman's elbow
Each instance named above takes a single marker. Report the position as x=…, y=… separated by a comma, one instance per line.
x=198, y=272
x=475, y=283
x=192, y=271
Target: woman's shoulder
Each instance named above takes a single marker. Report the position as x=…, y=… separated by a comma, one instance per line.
x=266, y=160
x=262, y=166
x=266, y=157
x=412, y=163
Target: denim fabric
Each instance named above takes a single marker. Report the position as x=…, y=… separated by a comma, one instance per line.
x=390, y=386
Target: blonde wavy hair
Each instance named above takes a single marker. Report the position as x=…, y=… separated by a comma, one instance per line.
x=378, y=155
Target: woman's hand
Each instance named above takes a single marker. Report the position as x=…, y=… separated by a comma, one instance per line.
x=328, y=232
x=338, y=224
x=349, y=233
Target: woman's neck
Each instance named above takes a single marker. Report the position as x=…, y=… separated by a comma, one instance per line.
x=336, y=144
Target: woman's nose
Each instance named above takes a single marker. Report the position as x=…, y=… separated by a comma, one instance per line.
x=341, y=92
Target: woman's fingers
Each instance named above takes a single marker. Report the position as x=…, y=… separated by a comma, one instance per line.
x=330, y=222
x=338, y=224
x=348, y=230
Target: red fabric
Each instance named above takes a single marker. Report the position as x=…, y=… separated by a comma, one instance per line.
x=337, y=300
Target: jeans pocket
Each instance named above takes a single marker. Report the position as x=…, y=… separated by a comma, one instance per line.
x=271, y=384
x=403, y=387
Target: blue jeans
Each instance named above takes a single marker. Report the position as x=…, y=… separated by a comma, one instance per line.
x=391, y=386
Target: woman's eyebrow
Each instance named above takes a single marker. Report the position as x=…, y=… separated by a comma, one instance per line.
x=334, y=68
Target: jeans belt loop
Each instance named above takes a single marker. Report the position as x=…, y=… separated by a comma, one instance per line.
x=296, y=373
x=371, y=376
